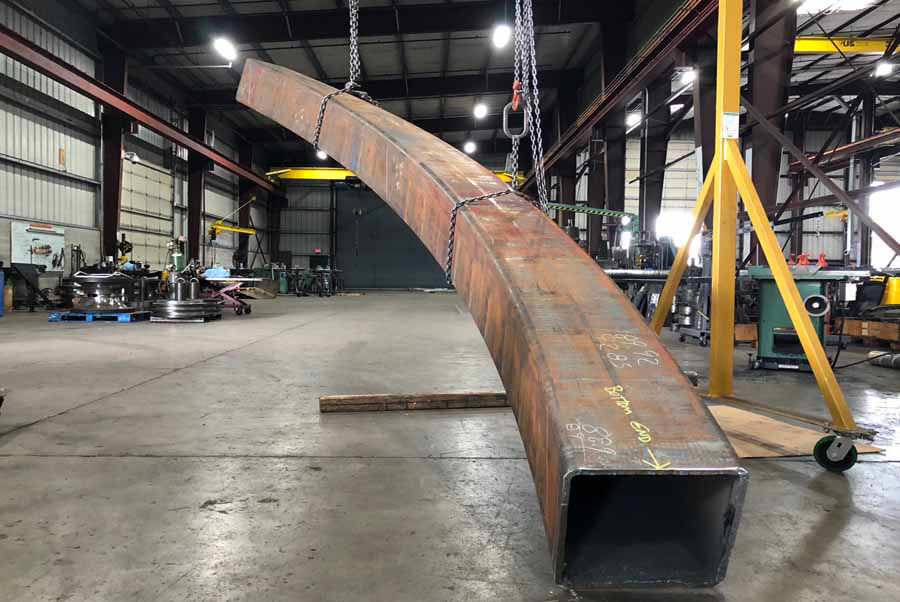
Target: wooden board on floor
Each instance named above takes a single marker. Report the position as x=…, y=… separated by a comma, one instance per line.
x=756, y=436
x=424, y=401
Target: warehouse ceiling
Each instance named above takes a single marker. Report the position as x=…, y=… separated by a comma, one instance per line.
x=436, y=63
x=429, y=61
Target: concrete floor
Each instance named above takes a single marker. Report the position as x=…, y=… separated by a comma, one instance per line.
x=189, y=462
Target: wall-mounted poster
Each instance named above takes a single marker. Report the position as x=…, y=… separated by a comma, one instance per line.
x=39, y=244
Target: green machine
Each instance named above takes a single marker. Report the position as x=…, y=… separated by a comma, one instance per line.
x=779, y=346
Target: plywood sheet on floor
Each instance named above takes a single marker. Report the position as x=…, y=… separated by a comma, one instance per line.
x=756, y=436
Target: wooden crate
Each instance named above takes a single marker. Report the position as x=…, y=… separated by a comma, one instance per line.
x=745, y=333
x=868, y=328
x=852, y=328
x=889, y=331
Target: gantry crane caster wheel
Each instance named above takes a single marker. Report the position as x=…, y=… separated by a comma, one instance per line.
x=820, y=453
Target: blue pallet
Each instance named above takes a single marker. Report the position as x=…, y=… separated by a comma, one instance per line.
x=76, y=317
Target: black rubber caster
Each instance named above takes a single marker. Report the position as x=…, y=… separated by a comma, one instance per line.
x=704, y=342
x=821, y=456
x=238, y=310
x=681, y=339
x=247, y=309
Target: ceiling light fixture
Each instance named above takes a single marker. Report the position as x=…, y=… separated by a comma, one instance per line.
x=469, y=147
x=813, y=7
x=883, y=69
x=501, y=36
x=480, y=110
x=321, y=155
x=225, y=49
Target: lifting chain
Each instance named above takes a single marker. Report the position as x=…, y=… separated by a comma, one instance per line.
x=525, y=88
x=454, y=214
x=353, y=86
x=452, y=236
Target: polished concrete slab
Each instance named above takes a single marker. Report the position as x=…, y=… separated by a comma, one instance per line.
x=189, y=462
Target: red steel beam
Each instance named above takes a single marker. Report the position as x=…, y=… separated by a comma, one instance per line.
x=16, y=47
x=636, y=482
x=840, y=155
x=691, y=17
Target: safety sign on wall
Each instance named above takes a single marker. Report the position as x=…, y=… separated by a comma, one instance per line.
x=39, y=244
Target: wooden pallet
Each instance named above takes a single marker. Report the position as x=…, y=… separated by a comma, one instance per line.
x=393, y=402
x=135, y=316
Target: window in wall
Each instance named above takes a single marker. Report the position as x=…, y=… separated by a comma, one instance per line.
x=676, y=224
x=883, y=208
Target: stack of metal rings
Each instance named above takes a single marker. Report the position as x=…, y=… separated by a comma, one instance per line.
x=186, y=310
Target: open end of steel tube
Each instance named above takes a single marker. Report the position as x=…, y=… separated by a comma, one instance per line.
x=650, y=529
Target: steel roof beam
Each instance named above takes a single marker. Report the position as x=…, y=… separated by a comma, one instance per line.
x=333, y=23
x=22, y=50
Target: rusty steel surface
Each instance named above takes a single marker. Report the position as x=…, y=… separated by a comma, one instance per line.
x=636, y=482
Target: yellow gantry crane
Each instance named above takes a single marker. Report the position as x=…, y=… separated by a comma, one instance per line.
x=728, y=176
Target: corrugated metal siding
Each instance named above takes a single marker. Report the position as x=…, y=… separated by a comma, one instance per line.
x=27, y=28
x=218, y=204
x=680, y=183
x=146, y=215
x=32, y=193
x=306, y=221
x=158, y=107
x=26, y=136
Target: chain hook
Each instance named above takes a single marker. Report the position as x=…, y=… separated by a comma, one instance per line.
x=526, y=114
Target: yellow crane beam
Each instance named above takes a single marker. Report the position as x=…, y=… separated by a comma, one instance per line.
x=823, y=45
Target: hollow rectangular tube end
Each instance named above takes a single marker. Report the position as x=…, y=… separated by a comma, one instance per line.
x=667, y=528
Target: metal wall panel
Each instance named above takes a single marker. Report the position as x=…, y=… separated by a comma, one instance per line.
x=37, y=154
x=29, y=29
x=219, y=204
x=147, y=212
x=306, y=222
x=376, y=249
x=26, y=136
x=35, y=195
x=680, y=183
x=158, y=107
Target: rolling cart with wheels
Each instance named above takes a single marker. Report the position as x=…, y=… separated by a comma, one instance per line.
x=226, y=289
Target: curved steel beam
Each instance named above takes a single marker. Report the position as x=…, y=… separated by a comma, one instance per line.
x=636, y=482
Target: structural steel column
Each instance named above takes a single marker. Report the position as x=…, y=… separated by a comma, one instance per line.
x=615, y=166
x=566, y=113
x=565, y=171
x=198, y=165
x=115, y=75
x=274, y=226
x=246, y=190
x=771, y=60
x=654, y=145
x=596, y=195
x=705, y=110
x=866, y=176
x=798, y=181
